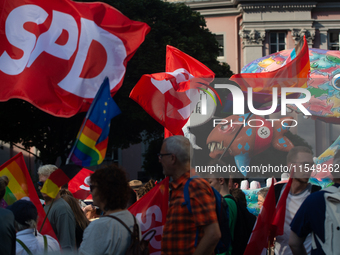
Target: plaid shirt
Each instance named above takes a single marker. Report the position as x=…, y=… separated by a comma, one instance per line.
x=180, y=228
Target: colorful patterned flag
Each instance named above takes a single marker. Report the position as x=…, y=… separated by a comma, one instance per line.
x=20, y=186
x=293, y=74
x=91, y=144
x=151, y=212
x=55, y=54
x=170, y=97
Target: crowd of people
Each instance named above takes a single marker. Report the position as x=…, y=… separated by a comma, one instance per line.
x=105, y=226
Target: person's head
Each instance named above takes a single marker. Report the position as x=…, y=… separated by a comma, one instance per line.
x=64, y=192
x=234, y=183
x=25, y=214
x=3, y=184
x=261, y=196
x=146, y=188
x=110, y=188
x=135, y=184
x=239, y=196
x=79, y=214
x=336, y=164
x=44, y=172
x=220, y=184
x=300, y=161
x=175, y=155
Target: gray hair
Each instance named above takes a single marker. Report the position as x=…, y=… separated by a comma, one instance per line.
x=180, y=146
x=46, y=170
x=30, y=224
x=263, y=192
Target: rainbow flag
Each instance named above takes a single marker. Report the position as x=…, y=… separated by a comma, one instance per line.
x=91, y=144
x=21, y=186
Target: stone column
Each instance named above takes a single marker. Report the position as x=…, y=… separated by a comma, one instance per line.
x=323, y=38
x=252, y=41
x=298, y=34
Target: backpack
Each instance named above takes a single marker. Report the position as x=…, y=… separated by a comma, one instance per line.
x=332, y=222
x=222, y=213
x=244, y=225
x=136, y=247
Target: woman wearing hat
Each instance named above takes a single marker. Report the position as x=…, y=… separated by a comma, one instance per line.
x=28, y=238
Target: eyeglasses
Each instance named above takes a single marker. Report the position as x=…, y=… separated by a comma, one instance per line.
x=92, y=187
x=40, y=184
x=160, y=155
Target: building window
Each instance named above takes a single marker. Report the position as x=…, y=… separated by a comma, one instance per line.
x=112, y=155
x=333, y=40
x=220, y=40
x=277, y=42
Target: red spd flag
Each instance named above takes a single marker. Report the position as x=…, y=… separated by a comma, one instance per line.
x=80, y=184
x=151, y=212
x=56, y=54
x=170, y=97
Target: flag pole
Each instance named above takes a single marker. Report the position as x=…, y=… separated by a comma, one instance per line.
x=86, y=117
x=46, y=216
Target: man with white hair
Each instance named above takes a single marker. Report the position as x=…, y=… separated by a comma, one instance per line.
x=59, y=213
x=179, y=232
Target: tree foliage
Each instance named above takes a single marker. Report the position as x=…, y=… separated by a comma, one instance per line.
x=173, y=24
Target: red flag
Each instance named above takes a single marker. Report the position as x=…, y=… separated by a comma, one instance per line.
x=279, y=219
x=171, y=97
x=151, y=212
x=21, y=186
x=293, y=74
x=55, y=54
x=80, y=184
x=259, y=238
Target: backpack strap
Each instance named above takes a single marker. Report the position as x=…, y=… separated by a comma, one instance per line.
x=117, y=219
x=315, y=188
x=188, y=204
x=187, y=195
x=45, y=244
x=24, y=246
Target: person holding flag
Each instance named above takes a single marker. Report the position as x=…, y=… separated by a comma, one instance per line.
x=299, y=160
x=58, y=212
x=28, y=238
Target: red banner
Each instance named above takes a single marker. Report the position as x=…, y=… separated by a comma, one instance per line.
x=171, y=97
x=80, y=184
x=56, y=54
x=151, y=212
